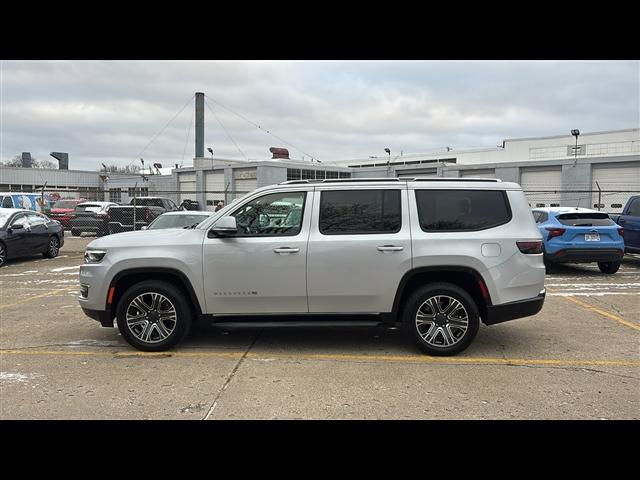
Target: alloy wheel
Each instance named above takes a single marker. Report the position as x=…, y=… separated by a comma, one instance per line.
x=442, y=321
x=151, y=317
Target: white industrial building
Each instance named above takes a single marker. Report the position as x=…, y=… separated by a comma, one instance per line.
x=604, y=169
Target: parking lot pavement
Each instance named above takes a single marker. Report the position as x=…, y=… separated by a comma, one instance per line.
x=577, y=359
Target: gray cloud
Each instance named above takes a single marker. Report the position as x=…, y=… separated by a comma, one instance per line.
x=107, y=111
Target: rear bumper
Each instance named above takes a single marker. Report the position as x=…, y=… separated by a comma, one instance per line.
x=586, y=255
x=514, y=310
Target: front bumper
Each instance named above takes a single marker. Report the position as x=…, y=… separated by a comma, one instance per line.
x=103, y=316
x=585, y=255
x=514, y=310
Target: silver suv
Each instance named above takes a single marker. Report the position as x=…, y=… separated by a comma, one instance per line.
x=434, y=255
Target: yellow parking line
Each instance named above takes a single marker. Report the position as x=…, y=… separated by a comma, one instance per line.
x=604, y=313
x=336, y=357
x=35, y=297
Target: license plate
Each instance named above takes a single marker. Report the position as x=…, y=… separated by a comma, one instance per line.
x=592, y=237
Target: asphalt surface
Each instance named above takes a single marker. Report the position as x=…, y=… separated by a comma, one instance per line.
x=577, y=359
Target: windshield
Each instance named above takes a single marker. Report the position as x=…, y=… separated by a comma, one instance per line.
x=88, y=208
x=176, y=221
x=65, y=204
x=149, y=202
x=585, y=219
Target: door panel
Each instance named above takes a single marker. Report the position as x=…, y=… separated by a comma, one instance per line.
x=356, y=273
x=16, y=241
x=262, y=270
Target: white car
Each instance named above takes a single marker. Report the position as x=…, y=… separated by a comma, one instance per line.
x=435, y=255
x=178, y=219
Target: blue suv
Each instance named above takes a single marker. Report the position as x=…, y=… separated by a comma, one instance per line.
x=580, y=235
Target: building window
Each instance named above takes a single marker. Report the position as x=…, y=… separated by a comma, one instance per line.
x=293, y=174
x=115, y=195
x=308, y=175
x=345, y=174
x=138, y=192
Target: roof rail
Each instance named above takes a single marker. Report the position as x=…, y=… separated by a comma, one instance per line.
x=454, y=179
x=394, y=179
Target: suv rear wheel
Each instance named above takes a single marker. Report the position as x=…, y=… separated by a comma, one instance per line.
x=441, y=318
x=153, y=316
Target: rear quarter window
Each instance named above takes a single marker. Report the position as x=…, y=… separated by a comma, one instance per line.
x=461, y=210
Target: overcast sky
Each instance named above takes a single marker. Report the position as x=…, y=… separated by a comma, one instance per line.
x=108, y=111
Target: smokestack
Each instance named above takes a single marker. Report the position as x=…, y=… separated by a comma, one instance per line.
x=199, y=124
x=279, y=153
x=63, y=160
x=26, y=160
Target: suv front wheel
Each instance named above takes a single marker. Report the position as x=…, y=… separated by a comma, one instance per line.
x=153, y=316
x=441, y=318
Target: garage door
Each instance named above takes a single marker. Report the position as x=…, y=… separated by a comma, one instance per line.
x=187, y=186
x=214, y=186
x=421, y=173
x=537, y=182
x=246, y=180
x=484, y=173
x=615, y=177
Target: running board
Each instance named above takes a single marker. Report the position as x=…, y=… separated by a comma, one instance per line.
x=299, y=324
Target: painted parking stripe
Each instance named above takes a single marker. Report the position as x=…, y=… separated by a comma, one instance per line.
x=266, y=356
x=603, y=313
x=35, y=297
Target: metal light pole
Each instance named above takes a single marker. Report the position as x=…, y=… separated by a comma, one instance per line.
x=388, y=161
x=211, y=152
x=575, y=133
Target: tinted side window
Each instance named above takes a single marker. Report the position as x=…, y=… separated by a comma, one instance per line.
x=461, y=210
x=7, y=202
x=634, y=208
x=536, y=217
x=352, y=212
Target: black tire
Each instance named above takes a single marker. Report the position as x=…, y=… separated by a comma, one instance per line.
x=178, y=301
x=3, y=254
x=609, y=267
x=53, y=247
x=75, y=233
x=461, y=339
x=548, y=266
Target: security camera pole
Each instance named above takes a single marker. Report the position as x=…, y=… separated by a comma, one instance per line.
x=575, y=133
x=388, y=160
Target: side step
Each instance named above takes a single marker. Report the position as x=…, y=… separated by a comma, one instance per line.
x=298, y=324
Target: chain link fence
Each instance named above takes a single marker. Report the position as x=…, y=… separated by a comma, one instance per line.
x=111, y=210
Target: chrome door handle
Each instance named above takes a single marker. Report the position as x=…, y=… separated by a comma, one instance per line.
x=389, y=248
x=286, y=250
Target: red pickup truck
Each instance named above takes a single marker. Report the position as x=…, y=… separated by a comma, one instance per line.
x=62, y=211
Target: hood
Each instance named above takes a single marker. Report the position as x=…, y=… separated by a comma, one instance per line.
x=141, y=238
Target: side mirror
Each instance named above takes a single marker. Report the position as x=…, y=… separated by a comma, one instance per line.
x=144, y=228
x=225, y=226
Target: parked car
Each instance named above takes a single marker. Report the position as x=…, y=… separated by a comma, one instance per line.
x=91, y=217
x=24, y=200
x=434, y=255
x=580, y=235
x=179, y=219
x=63, y=210
x=629, y=220
x=25, y=232
x=121, y=217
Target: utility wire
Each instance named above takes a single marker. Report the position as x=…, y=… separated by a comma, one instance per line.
x=163, y=129
x=225, y=130
x=313, y=157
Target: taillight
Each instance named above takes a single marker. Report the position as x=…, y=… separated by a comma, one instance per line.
x=530, y=247
x=621, y=231
x=555, y=232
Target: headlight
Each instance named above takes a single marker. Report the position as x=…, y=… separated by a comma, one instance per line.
x=94, y=256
